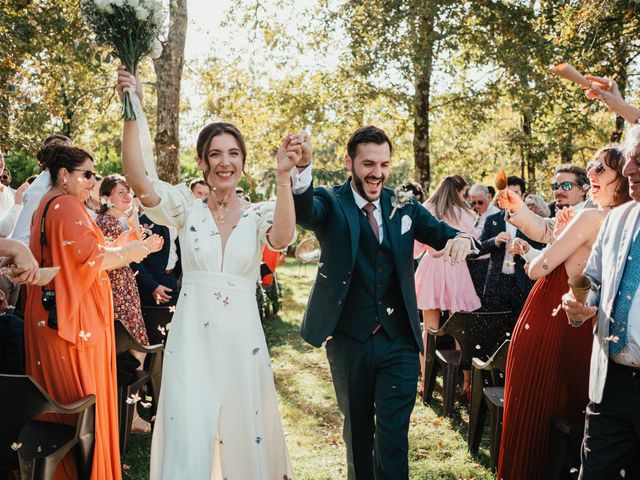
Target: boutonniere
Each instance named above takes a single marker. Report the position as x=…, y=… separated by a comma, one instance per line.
x=401, y=198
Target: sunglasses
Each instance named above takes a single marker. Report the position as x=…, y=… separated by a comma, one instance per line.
x=566, y=186
x=477, y=202
x=88, y=174
x=598, y=168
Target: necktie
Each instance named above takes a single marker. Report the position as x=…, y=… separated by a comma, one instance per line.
x=368, y=209
x=622, y=304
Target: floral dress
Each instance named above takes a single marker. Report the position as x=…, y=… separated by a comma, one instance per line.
x=126, y=299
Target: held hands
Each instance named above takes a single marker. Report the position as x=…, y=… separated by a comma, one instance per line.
x=509, y=201
x=304, y=140
x=126, y=80
x=456, y=250
x=289, y=155
x=577, y=311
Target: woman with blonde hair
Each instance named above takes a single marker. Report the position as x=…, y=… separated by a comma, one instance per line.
x=440, y=285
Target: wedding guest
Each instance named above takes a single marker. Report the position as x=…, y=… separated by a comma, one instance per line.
x=116, y=201
x=158, y=275
x=363, y=303
x=417, y=190
x=612, y=432
x=8, y=221
x=441, y=286
x=481, y=202
x=6, y=195
x=69, y=338
x=32, y=197
x=507, y=284
x=548, y=363
x=5, y=179
x=537, y=205
x=199, y=189
x=225, y=424
x=570, y=186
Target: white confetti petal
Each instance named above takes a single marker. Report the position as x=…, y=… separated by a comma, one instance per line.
x=15, y=446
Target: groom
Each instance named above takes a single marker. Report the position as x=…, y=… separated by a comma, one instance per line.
x=363, y=303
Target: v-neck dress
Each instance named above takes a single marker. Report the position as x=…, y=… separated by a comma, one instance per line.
x=218, y=415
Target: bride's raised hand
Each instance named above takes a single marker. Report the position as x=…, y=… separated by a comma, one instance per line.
x=304, y=140
x=289, y=155
x=126, y=80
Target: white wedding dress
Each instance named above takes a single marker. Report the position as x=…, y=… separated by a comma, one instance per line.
x=218, y=415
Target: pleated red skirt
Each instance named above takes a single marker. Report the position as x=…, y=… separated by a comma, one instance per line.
x=547, y=375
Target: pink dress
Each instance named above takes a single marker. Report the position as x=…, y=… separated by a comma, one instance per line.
x=440, y=285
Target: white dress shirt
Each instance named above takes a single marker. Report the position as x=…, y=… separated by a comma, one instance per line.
x=30, y=200
x=482, y=219
x=508, y=266
x=301, y=180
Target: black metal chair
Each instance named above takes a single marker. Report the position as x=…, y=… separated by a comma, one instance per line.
x=448, y=360
x=37, y=446
x=156, y=320
x=125, y=342
x=484, y=374
x=494, y=396
x=564, y=449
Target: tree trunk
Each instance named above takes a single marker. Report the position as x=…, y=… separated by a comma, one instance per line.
x=531, y=160
x=423, y=67
x=169, y=73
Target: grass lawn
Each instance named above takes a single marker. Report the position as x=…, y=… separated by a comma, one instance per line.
x=311, y=418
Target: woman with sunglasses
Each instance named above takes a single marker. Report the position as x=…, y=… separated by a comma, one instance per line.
x=69, y=335
x=548, y=364
x=218, y=414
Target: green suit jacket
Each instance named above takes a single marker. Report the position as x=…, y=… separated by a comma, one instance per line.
x=333, y=215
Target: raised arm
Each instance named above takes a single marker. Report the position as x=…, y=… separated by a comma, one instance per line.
x=284, y=217
x=533, y=226
x=606, y=90
x=131, y=150
x=581, y=230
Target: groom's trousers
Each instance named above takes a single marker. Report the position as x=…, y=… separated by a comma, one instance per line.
x=375, y=384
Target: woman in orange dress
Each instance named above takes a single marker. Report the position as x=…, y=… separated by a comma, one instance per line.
x=70, y=348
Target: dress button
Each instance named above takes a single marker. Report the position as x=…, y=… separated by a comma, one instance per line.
x=339, y=302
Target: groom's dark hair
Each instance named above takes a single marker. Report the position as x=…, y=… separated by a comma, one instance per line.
x=368, y=134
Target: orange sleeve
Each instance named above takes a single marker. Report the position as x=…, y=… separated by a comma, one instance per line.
x=83, y=292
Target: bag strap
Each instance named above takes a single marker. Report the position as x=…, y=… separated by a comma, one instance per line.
x=43, y=229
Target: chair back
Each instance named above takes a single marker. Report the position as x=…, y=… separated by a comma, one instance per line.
x=156, y=319
x=124, y=340
x=21, y=399
x=457, y=326
x=497, y=364
x=489, y=330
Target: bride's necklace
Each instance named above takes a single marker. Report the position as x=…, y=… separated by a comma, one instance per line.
x=222, y=209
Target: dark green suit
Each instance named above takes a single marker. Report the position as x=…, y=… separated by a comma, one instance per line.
x=362, y=283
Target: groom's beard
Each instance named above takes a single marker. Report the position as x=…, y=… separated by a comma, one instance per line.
x=358, y=184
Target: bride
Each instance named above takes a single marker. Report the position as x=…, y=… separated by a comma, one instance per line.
x=218, y=414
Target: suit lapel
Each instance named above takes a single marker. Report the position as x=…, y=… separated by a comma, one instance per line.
x=351, y=213
x=392, y=227
x=625, y=242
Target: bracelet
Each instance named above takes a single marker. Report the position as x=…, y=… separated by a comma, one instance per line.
x=282, y=184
